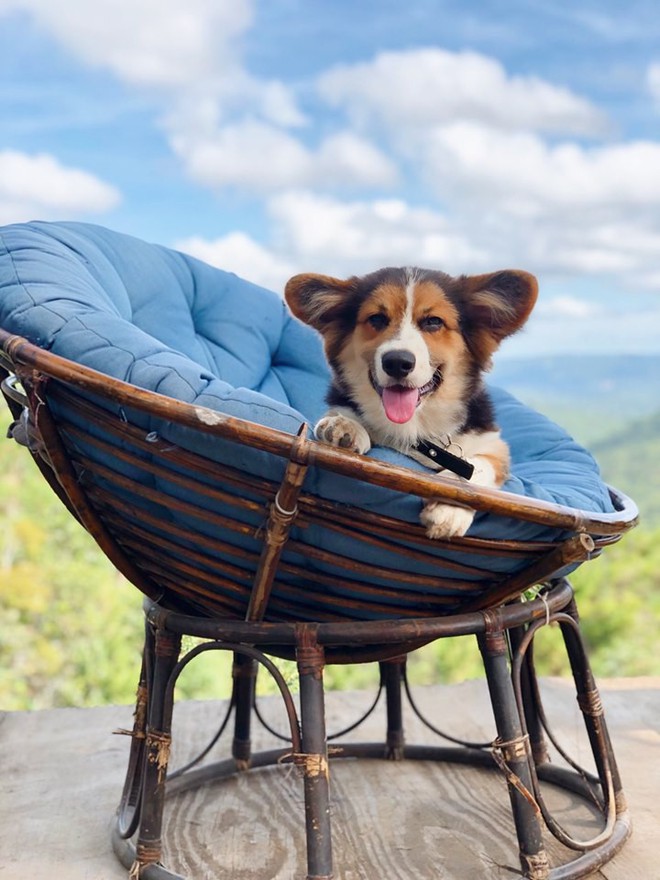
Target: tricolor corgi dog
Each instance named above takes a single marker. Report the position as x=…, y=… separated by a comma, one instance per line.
x=407, y=349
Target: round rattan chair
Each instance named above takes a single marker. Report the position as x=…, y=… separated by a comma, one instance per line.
x=261, y=542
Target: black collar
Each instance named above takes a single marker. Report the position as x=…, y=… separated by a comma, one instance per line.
x=441, y=459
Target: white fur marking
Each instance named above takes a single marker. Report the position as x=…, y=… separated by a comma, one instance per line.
x=410, y=338
x=444, y=520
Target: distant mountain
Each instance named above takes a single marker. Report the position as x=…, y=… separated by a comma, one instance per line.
x=592, y=396
x=629, y=460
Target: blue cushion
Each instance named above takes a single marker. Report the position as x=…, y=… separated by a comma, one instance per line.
x=164, y=321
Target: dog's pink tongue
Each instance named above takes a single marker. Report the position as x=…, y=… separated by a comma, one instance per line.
x=400, y=403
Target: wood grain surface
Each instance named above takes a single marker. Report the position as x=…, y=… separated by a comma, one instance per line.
x=62, y=773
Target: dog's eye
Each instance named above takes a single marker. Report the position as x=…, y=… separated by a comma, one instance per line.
x=379, y=321
x=431, y=323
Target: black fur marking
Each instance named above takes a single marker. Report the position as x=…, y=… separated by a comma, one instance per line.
x=338, y=396
x=480, y=414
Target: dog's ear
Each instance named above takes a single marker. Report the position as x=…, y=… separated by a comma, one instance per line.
x=318, y=300
x=495, y=306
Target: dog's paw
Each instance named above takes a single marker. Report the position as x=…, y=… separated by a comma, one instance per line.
x=340, y=430
x=445, y=521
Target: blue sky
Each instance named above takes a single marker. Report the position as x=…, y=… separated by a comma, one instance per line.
x=280, y=136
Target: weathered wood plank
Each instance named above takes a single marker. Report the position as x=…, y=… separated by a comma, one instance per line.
x=62, y=773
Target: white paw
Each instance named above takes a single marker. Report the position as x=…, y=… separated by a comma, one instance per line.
x=339, y=430
x=445, y=521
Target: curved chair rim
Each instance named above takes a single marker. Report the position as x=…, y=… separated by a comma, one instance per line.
x=20, y=353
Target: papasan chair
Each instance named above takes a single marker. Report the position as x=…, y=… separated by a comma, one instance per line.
x=168, y=404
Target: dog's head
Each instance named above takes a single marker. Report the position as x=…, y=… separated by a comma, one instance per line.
x=398, y=339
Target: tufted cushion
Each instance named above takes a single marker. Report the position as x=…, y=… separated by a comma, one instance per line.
x=164, y=321
x=158, y=319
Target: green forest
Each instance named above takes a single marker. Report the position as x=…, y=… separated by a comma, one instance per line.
x=71, y=627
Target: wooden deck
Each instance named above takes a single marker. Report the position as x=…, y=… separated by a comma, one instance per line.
x=62, y=773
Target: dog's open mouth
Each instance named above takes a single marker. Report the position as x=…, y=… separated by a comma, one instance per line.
x=401, y=401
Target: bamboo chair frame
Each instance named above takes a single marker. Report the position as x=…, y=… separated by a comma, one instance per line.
x=241, y=600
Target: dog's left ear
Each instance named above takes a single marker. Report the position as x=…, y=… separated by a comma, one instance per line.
x=495, y=306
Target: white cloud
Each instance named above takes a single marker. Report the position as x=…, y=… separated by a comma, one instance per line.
x=650, y=280
x=228, y=127
x=239, y=253
x=314, y=232
x=553, y=208
x=277, y=104
x=627, y=247
x=251, y=155
x=41, y=188
x=325, y=234
x=507, y=178
x=426, y=87
x=329, y=235
x=527, y=175
x=566, y=306
x=606, y=329
x=478, y=138
x=256, y=156
x=653, y=81
x=348, y=157
x=161, y=43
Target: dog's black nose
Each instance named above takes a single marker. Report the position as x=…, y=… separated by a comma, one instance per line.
x=398, y=363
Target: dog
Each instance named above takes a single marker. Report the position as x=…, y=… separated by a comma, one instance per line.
x=408, y=348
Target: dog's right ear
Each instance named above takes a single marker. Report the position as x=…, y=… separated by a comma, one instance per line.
x=318, y=300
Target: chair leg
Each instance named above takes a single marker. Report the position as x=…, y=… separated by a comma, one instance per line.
x=529, y=690
x=591, y=707
x=128, y=814
x=157, y=748
x=512, y=747
x=391, y=676
x=314, y=757
x=244, y=672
